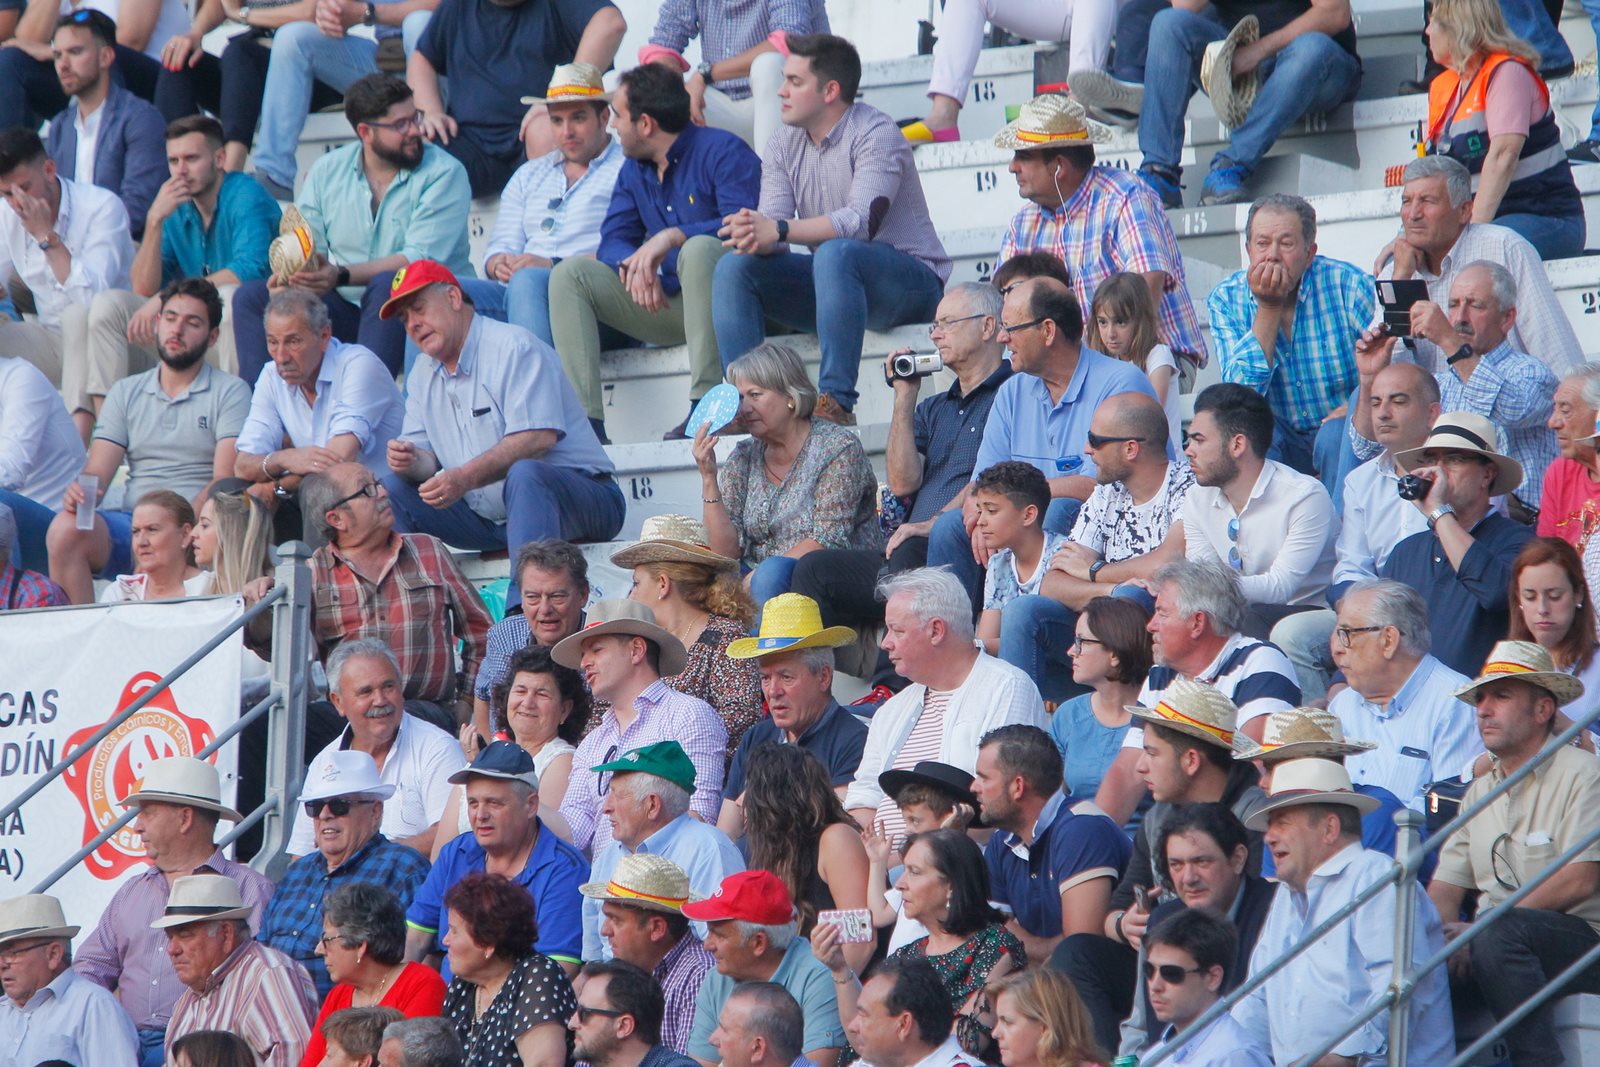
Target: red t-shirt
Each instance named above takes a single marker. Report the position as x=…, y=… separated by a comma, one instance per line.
x=1570, y=506
x=418, y=992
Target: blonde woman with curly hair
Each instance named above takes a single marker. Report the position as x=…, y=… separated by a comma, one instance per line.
x=1040, y=1022
x=696, y=594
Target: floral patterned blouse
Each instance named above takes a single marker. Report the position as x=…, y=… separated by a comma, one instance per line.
x=829, y=495
x=732, y=686
x=964, y=971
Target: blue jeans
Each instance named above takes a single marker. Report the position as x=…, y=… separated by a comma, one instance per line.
x=1552, y=237
x=844, y=289
x=1529, y=20
x=950, y=547
x=542, y=501
x=352, y=324
x=771, y=577
x=1035, y=633
x=33, y=521
x=152, y=1051
x=527, y=302
x=1311, y=75
x=1324, y=452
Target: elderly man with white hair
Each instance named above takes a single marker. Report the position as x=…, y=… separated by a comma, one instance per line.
x=957, y=693
x=1569, y=503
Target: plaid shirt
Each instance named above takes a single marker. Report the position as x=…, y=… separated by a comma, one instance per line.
x=506, y=638
x=679, y=975
x=1314, y=371
x=664, y=714
x=1113, y=223
x=293, y=922
x=728, y=27
x=406, y=605
x=28, y=589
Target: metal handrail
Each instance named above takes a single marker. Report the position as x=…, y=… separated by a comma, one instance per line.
x=1403, y=983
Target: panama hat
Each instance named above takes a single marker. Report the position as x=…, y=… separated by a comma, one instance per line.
x=33, y=915
x=1193, y=708
x=199, y=898
x=1464, y=431
x=182, y=780
x=293, y=248
x=1297, y=733
x=1524, y=661
x=628, y=618
x=573, y=83
x=1309, y=781
x=346, y=774
x=644, y=880
x=790, y=622
x=1231, y=98
x=673, y=539
x=1050, y=121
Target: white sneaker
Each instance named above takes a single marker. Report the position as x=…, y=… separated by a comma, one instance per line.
x=1098, y=89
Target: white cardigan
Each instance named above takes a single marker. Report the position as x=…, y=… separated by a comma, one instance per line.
x=994, y=694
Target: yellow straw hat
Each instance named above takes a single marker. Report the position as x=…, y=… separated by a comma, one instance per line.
x=1231, y=98
x=1050, y=121
x=790, y=622
x=293, y=248
x=644, y=880
x=673, y=539
x=1524, y=661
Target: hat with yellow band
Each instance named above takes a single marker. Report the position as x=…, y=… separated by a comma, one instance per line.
x=1524, y=661
x=1051, y=121
x=1193, y=708
x=573, y=83
x=644, y=880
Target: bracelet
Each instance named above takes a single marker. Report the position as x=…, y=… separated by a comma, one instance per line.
x=266, y=471
x=1117, y=926
x=711, y=500
x=845, y=981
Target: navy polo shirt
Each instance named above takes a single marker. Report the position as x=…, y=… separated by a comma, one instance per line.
x=948, y=430
x=1078, y=843
x=836, y=740
x=552, y=875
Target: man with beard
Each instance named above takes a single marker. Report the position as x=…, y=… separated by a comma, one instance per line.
x=106, y=135
x=175, y=424
x=370, y=208
x=618, y=1021
x=201, y=223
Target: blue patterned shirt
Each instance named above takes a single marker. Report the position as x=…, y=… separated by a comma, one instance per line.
x=573, y=220
x=1314, y=371
x=1515, y=392
x=729, y=27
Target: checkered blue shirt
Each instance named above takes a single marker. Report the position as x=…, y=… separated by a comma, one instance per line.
x=1314, y=371
x=728, y=27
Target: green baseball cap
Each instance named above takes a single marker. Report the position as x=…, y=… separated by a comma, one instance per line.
x=664, y=759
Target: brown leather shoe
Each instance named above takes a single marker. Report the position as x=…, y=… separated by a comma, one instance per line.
x=828, y=410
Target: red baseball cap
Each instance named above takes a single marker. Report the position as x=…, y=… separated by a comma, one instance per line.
x=418, y=274
x=753, y=896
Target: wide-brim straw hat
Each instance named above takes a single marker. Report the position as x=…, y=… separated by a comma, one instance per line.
x=1231, y=98
x=644, y=880
x=1193, y=708
x=34, y=915
x=628, y=618
x=1050, y=121
x=790, y=622
x=1309, y=781
x=199, y=898
x=573, y=83
x=1298, y=733
x=294, y=246
x=1524, y=661
x=1465, y=431
x=673, y=539
x=182, y=780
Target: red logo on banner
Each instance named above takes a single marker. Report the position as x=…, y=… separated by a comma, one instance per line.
x=115, y=767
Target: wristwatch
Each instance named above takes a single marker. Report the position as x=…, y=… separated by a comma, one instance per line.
x=244, y=14
x=49, y=242
x=1438, y=513
x=344, y=277
x=371, y=17
x=704, y=70
x=783, y=230
x=1095, y=568
x=1460, y=354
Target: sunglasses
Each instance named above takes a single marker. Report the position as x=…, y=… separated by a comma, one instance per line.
x=1170, y=973
x=548, y=223
x=1234, y=559
x=1097, y=442
x=602, y=779
x=338, y=807
x=586, y=1014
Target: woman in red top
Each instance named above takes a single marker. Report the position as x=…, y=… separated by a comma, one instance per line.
x=363, y=944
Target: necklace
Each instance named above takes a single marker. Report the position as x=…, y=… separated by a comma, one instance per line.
x=689, y=634
x=377, y=995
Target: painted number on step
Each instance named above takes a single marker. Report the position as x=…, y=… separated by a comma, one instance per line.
x=1591, y=302
x=1316, y=123
x=474, y=226
x=1121, y=163
x=987, y=181
x=1194, y=223
x=982, y=92
x=985, y=268
x=639, y=488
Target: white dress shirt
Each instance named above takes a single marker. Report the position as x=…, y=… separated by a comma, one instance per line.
x=1223, y=1043
x=948, y=1054
x=527, y=224
x=1298, y=1009
x=93, y=224
x=40, y=450
x=1375, y=520
x=88, y=134
x=70, y=1019
x=356, y=395
x=1286, y=535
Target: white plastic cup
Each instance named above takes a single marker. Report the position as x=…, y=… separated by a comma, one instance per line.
x=91, y=496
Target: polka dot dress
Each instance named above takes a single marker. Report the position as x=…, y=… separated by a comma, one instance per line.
x=536, y=992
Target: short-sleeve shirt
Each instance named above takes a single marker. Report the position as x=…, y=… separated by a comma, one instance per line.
x=1088, y=746
x=507, y=381
x=1078, y=844
x=947, y=428
x=1002, y=584
x=806, y=979
x=1111, y=524
x=172, y=442
x=836, y=739
x=535, y=993
x=1570, y=505
x=241, y=231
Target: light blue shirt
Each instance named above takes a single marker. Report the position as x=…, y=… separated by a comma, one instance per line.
x=1298, y=1009
x=506, y=381
x=1375, y=520
x=356, y=395
x=70, y=1019
x=703, y=851
x=1424, y=735
x=1025, y=425
x=574, y=221
x=1223, y=1043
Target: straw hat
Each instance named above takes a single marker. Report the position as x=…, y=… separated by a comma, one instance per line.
x=1297, y=733
x=790, y=622
x=1051, y=121
x=644, y=880
x=673, y=539
x=573, y=83
x=200, y=898
x=1464, y=431
x=1231, y=98
x=293, y=248
x=1193, y=708
x=1524, y=661
x=623, y=617
x=182, y=780
x=1309, y=781
x=346, y=773
x=34, y=915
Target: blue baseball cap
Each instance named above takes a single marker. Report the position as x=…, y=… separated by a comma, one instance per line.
x=500, y=759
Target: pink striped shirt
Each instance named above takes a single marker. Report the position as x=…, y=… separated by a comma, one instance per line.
x=923, y=743
x=258, y=993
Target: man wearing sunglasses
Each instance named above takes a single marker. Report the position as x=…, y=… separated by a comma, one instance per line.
x=1186, y=970
x=344, y=799
x=618, y=1021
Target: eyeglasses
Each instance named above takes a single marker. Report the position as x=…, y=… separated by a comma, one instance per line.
x=1170, y=973
x=602, y=780
x=338, y=807
x=556, y=600
x=1497, y=857
x=330, y=939
x=1345, y=633
x=1079, y=642
x=412, y=121
x=1234, y=559
x=370, y=491
x=1098, y=442
x=1019, y=327
x=585, y=1014
x=12, y=953
x=939, y=326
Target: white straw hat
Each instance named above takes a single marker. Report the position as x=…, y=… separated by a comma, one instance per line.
x=34, y=915
x=1309, y=781
x=202, y=898
x=182, y=780
x=1297, y=733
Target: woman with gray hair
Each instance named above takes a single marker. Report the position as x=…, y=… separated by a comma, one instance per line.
x=796, y=486
x=363, y=944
